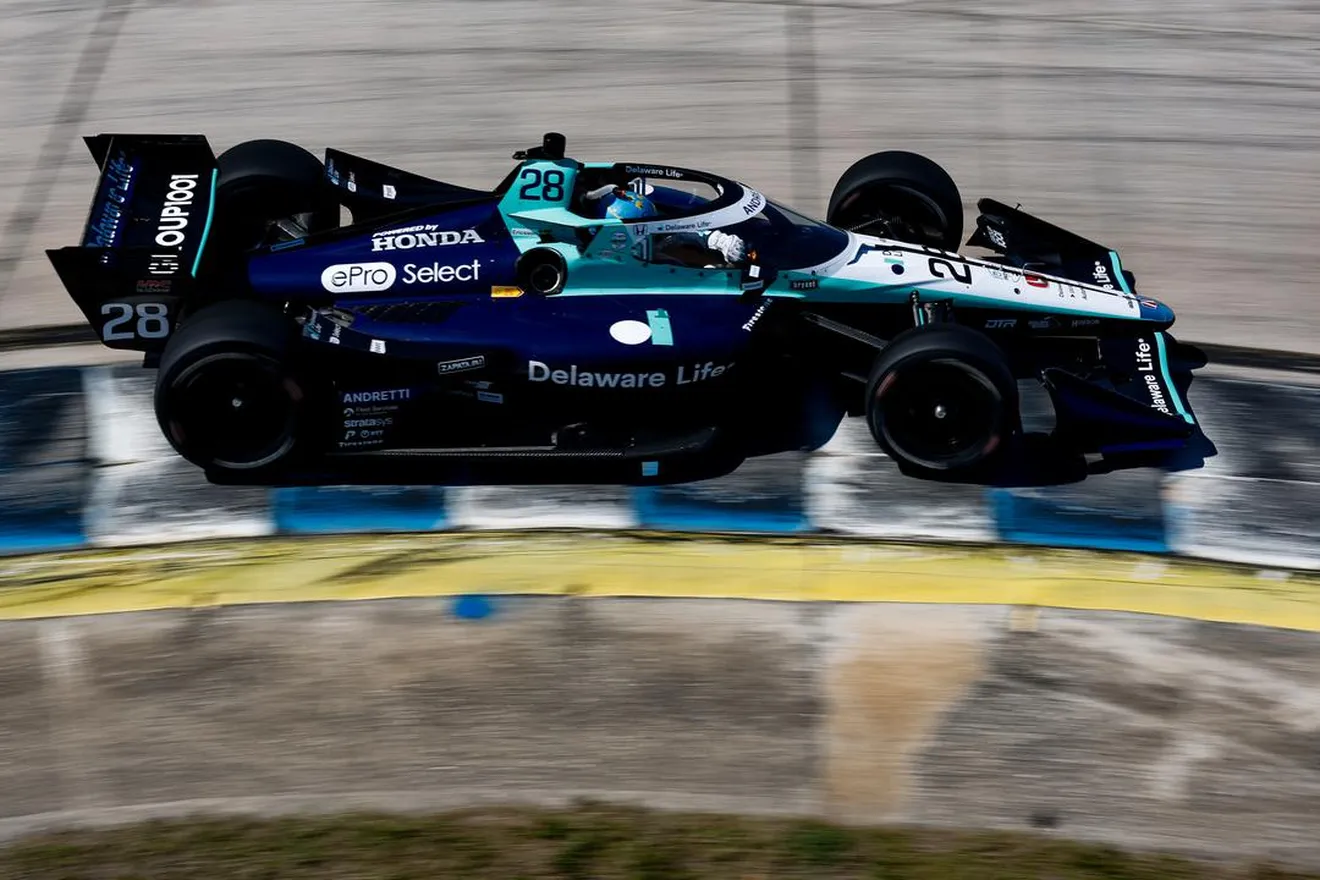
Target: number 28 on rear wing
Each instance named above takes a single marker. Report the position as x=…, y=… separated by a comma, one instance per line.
x=145, y=236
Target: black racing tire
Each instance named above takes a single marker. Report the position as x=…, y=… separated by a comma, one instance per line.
x=899, y=195
x=941, y=399
x=262, y=181
x=227, y=398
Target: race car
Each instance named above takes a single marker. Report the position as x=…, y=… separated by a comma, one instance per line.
x=612, y=322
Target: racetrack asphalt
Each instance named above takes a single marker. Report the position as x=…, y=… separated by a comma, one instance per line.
x=1184, y=134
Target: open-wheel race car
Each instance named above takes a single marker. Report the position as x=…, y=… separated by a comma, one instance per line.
x=596, y=322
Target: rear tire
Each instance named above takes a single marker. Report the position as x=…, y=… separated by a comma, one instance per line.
x=899, y=195
x=263, y=181
x=941, y=399
x=226, y=397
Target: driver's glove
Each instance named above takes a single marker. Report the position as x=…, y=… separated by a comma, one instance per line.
x=731, y=246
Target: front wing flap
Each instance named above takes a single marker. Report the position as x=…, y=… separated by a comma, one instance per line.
x=1136, y=405
x=1029, y=242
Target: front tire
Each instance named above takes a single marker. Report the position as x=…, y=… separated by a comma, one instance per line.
x=941, y=399
x=899, y=195
x=227, y=398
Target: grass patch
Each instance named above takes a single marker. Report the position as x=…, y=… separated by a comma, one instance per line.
x=591, y=841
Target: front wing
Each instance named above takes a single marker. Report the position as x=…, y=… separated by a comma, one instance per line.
x=1134, y=403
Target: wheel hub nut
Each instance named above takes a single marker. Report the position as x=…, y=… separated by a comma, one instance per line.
x=940, y=411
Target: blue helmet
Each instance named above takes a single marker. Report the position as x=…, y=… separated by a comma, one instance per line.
x=628, y=205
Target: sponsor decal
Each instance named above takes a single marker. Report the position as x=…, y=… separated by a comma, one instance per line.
x=1000, y=323
x=334, y=334
x=579, y=378
x=1146, y=367
x=378, y=346
x=1101, y=275
x=312, y=329
x=358, y=277
x=499, y=291
x=1041, y=324
x=163, y=264
x=153, y=285
x=1035, y=280
x=756, y=316
x=519, y=232
x=755, y=203
x=352, y=182
x=331, y=172
x=490, y=397
x=386, y=396
x=425, y=235
x=1085, y=322
x=681, y=225
x=375, y=412
x=461, y=365
x=630, y=332
x=388, y=191
x=804, y=284
x=179, y=195
x=107, y=223
x=377, y=422
x=1148, y=304
x=649, y=171
x=996, y=236
x=438, y=274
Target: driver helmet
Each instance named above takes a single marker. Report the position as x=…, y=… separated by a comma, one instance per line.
x=625, y=204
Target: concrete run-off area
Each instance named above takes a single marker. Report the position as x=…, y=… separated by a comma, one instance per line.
x=1143, y=731
x=1182, y=133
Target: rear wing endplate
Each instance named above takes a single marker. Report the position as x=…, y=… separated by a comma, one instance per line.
x=145, y=235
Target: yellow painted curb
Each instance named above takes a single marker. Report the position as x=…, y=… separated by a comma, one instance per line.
x=338, y=568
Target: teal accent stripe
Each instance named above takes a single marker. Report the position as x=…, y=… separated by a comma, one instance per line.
x=1168, y=380
x=206, y=230
x=1118, y=272
x=661, y=332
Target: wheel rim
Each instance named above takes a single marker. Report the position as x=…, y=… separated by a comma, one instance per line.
x=893, y=211
x=234, y=411
x=939, y=415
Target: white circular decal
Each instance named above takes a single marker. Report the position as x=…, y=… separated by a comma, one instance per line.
x=630, y=332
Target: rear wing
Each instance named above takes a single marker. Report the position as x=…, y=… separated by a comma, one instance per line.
x=144, y=237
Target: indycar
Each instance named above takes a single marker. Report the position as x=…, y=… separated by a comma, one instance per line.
x=333, y=321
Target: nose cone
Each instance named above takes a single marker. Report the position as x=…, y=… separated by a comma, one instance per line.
x=1155, y=311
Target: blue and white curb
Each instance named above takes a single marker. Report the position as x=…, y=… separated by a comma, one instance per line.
x=82, y=463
